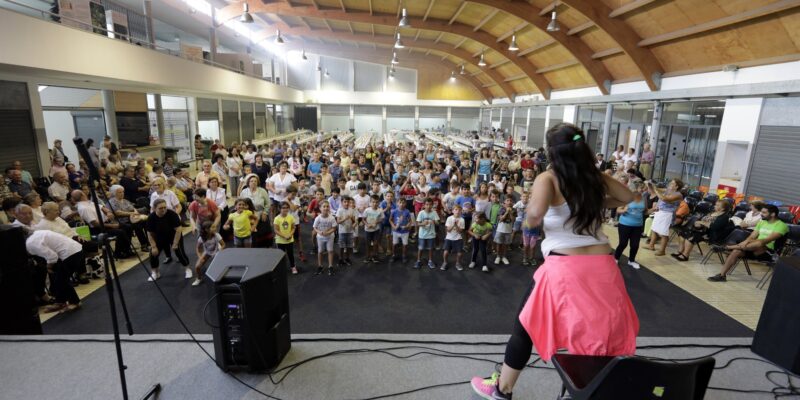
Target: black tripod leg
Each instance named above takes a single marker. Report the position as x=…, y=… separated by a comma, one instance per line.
x=113, y=308
x=113, y=266
x=154, y=391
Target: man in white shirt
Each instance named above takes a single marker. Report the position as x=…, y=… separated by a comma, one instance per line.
x=52, y=222
x=59, y=189
x=63, y=257
x=23, y=217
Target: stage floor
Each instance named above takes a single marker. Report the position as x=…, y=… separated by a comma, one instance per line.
x=48, y=367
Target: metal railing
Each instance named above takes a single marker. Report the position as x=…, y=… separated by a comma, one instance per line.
x=110, y=34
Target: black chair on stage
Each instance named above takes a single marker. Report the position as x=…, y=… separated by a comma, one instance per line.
x=711, y=198
x=703, y=208
x=631, y=378
x=784, y=246
x=696, y=194
x=742, y=206
x=735, y=237
x=786, y=216
x=691, y=202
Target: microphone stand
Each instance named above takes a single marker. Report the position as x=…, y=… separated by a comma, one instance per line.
x=105, y=248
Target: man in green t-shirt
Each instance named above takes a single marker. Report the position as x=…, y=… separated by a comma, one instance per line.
x=759, y=245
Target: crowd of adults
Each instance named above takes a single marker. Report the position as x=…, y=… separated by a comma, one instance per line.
x=242, y=193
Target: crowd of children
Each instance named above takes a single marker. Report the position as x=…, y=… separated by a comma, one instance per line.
x=380, y=200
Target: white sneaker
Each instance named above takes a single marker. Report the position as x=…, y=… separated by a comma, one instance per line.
x=472, y=264
x=355, y=251
x=485, y=269
x=197, y=281
x=497, y=260
x=444, y=266
x=188, y=274
x=634, y=264
x=504, y=260
x=154, y=276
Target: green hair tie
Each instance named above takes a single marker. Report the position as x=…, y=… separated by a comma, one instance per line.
x=576, y=138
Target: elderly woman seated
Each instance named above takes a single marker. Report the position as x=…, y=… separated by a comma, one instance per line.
x=714, y=228
x=126, y=213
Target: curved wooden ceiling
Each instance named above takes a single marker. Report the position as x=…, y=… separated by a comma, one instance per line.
x=600, y=41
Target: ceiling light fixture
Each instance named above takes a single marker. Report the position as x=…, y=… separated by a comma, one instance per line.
x=513, y=46
x=394, y=59
x=319, y=67
x=482, y=61
x=553, y=25
x=327, y=73
x=452, y=76
x=246, y=18
x=398, y=44
x=279, y=38
x=463, y=72
x=404, y=20
x=391, y=72
x=305, y=58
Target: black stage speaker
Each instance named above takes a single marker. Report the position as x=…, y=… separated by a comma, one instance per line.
x=19, y=314
x=251, y=330
x=777, y=336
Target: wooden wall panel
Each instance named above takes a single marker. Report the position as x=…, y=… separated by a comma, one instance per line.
x=436, y=85
x=621, y=67
x=130, y=102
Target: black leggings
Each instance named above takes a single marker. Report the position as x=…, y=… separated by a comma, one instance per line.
x=165, y=248
x=632, y=234
x=519, y=347
x=479, y=249
x=288, y=248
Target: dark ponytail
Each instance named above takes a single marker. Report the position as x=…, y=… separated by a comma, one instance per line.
x=573, y=163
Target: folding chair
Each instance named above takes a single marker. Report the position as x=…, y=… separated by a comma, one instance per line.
x=631, y=378
x=737, y=236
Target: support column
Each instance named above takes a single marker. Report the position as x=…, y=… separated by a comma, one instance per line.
x=148, y=14
x=655, y=127
x=212, y=36
x=383, y=122
x=110, y=114
x=352, y=117
x=449, y=119
x=162, y=130
x=606, y=128
x=40, y=136
x=546, y=125
x=416, y=118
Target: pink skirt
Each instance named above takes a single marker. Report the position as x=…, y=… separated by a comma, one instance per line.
x=579, y=303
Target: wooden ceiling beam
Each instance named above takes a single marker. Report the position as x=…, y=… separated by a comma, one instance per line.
x=578, y=48
x=389, y=41
x=605, y=53
x=460, y=42
x=515, y=77
x=548, y=8
x=436, y=25
x=580, y=28
x=458, y=12
x=314, y=3
x=370, y=7
x=556, y=67
x=303, y=20
x=341, y=2
x=485, y=19
x=773, y=8
x=416, y=61
x=438, y=38
x=428, y=11
x=350, y=25
x=629, y=7
x=644, y=59
x=328, y=25
x=513, y=31
x=537, y=47
x=416, y=37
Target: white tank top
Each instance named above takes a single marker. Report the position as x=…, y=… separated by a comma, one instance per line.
x=559, y=233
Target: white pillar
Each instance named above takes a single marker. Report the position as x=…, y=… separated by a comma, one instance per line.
x=606, y=128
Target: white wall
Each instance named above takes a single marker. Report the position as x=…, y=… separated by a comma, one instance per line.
x=59, y=125
x=432, y=123
x=338, y=122
x=737, y=134
x=364, y=123
x=465, y=124
x=400, y=123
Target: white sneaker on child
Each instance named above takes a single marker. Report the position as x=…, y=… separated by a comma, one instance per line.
x=472, y=264
x=188, y=274
x=634, y=264
x=197, y=282
x=497, y=260
x=504, y=260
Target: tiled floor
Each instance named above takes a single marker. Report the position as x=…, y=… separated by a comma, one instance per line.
x=738, y=297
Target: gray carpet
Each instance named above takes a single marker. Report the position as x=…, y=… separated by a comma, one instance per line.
x=394, y=298
x=80, y=371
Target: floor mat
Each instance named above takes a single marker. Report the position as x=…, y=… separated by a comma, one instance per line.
x=391, y=297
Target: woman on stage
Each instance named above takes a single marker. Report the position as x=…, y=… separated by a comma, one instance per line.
x=578, y=301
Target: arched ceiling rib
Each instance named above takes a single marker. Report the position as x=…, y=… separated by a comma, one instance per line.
x=389, y=41
x=409, y=60
x=484, y=38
